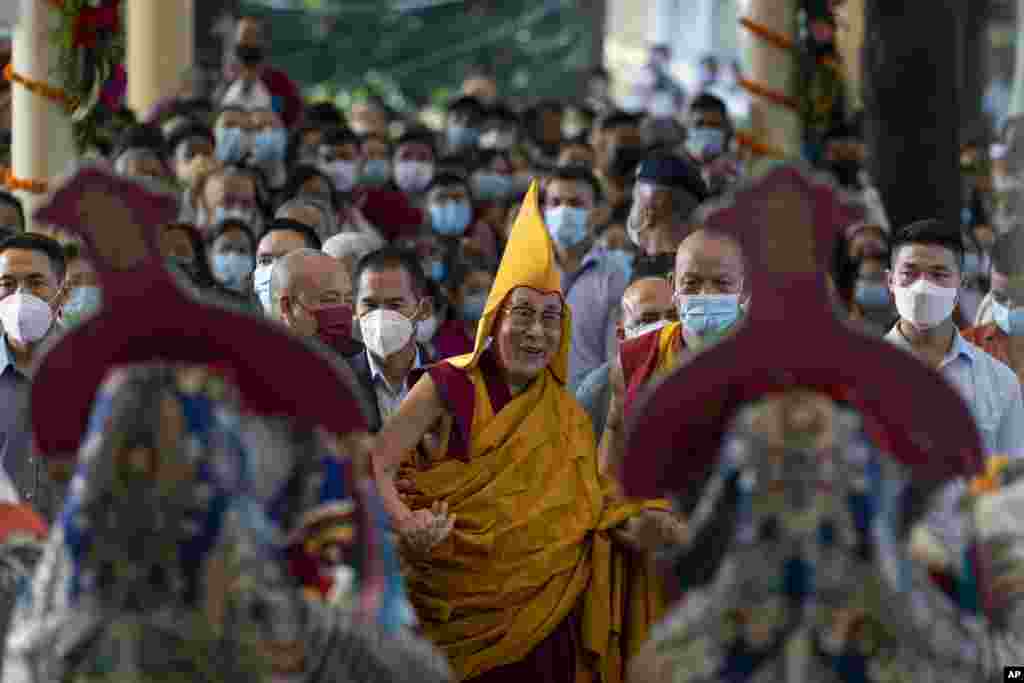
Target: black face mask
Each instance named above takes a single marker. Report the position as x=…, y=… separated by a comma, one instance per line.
x=249, y=55
x=846, y=173
x=624, y=160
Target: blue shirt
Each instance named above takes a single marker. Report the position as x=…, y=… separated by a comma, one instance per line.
x=992, y=392
x=594, y=294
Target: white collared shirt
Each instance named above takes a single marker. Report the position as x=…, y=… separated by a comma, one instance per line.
x=388, y=397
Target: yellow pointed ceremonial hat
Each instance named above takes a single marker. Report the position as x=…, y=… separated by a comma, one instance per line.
x=529, y=261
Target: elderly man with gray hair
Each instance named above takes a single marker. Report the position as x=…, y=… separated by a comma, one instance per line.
x=312, y=212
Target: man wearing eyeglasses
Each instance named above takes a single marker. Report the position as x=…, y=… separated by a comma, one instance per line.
x=523, y=561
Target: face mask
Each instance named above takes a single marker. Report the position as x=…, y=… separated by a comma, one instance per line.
x=491, y=186
x=261, y=284
x=972, y=263
x=623, y=260
x=426, y=330
x=268, y=146
x=376, y=172
x=232, y=269
x=924, y=304
x=705, y=143
x=232, y=144
x=708, y=316
x=334, y=325
x=451, y=218
x=640, y=330
x=462, y=137
x=342, y=173
x=496, y=139
x=250, y=55
x=437, y=271
x=82, y=303
x=25, y=317
x=413, y=176
x=385, y=332
x=872, y=296
x=1010, y=321
x=472, y=308
x=847, y=173
x=567, y=225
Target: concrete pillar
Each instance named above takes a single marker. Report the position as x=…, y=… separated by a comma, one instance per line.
x=160, y=49
x=850, y=41
x=1017, y=98
x=43, y=140
x=664, y=22
x=772, y=68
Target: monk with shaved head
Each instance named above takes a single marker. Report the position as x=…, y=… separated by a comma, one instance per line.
x=708, y=294
x=311, y=293
x=646, y=306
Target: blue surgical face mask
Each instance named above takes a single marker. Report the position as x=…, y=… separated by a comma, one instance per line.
x=376, y=172
x=492, y=186
x=1009, y=320
x=472, y=308
x=623, y=260
x=704, y=142
x=269, y=146
x=451, y=218
x=261, y=284
x=232, y=144
x=437, y=271
x=83, y=302
x=462, y=137
x=872, y=296
x=232, y=269
x=708, y=316
x=972, y=263
x=567, y=225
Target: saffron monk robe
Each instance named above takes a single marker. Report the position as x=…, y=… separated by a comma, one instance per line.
x=522, y=559
x=708, y=291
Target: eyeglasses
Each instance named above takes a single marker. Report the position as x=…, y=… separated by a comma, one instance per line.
x=523, y=317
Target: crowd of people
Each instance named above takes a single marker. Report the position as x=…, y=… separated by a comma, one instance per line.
x=501, y=294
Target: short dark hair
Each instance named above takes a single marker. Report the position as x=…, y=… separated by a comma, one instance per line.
x=709, y=102
x=418, y=136
x=447, y=179
x=312, y=239
x=227, y=225
x=188, y=131
x=12, y=200
x=618, y=119
x=930, y=231
x=49, y=247
x=324, y=113
x=467, y=103
x=142, y=136
x=577, y=174
x=391, y=258
x=1008, y=254
x=340, y=135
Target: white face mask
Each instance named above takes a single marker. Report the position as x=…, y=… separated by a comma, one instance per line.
x=413, y=176
x=261, y=283
x=343, y=174
x=634, y=332
x=924, y=304
x=385, y=332
x=426, y=330
x=25, y=317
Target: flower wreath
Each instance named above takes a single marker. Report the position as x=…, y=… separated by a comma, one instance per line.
x=90, y=40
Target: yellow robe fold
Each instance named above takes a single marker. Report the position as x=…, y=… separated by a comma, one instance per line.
x=531, y=541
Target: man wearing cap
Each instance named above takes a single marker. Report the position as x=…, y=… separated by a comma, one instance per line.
x=523, y=561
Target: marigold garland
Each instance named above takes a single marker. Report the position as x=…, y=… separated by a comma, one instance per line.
x=768, y=35
x=13, y=182
x=757, y=147
x=40, y=88
x=773, y=96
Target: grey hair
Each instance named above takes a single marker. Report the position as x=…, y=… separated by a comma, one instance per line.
x=277, y=273
x=329, y=221
x=357, y=244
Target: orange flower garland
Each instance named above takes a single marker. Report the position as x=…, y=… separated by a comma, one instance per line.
x=40, y=88
x=768, y=35
x=777, y=98
x=8, y=179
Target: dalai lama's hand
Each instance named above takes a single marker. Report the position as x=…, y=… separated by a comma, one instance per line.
x=652, y=530
x=421, y=530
